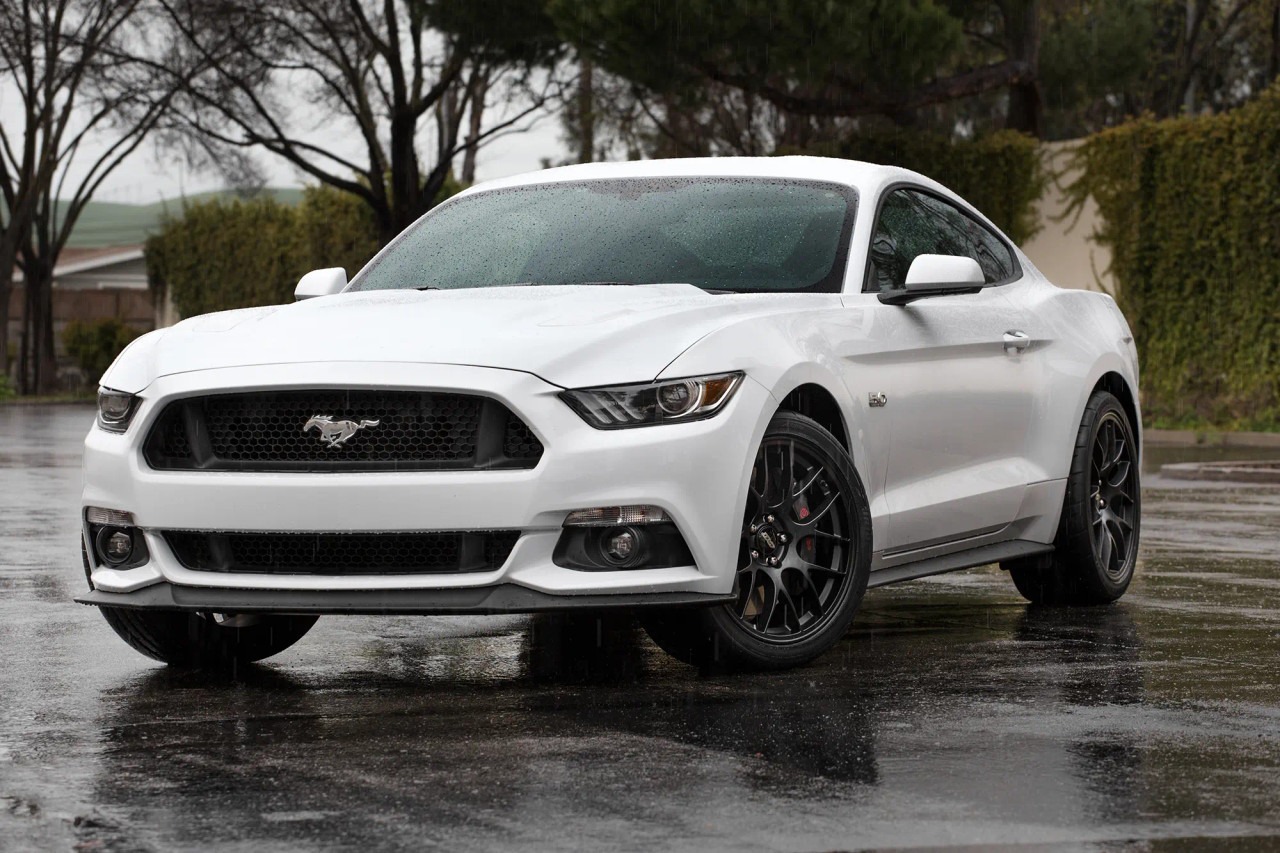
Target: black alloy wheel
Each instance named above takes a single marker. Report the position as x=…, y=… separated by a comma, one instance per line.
x=797, y=543
x=1096, y=547
x=1115, y=479
x=803, y=559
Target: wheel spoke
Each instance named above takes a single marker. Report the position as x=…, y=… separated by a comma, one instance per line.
x=1104, y=542
x=1118, y=475
x=746, y=599
x=789, y=467
x=768, y=605
x=808, y=567
x=1117, y=454
x=787, y=602
x=814, y=474
x=812, y=589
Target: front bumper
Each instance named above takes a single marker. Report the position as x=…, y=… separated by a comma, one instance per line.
x=504, y=598
x=697, y=472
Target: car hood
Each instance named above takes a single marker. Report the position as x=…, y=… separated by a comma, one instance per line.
x=572, y=336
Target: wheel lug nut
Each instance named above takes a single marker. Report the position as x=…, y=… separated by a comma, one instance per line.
x=769, y=519
x=783, y=538
x=755, y=555
x=773, y=561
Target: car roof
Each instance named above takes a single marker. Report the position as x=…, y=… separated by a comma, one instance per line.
x=865, y=177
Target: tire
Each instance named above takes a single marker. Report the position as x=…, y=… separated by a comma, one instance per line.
x=820, y=537
x=204, y=640
x=1096, y=547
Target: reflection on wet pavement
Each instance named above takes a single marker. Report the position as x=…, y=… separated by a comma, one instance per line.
x=951, y=715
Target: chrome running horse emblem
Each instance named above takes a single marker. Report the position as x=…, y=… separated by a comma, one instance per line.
x=336, y=433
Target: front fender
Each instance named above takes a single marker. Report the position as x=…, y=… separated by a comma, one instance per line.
x=782, y=354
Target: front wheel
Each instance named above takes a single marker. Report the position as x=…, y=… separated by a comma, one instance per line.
x=1096, y=547
x=803, y=560
x=207, y=640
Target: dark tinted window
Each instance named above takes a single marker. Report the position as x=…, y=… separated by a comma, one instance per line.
x=914, y=223
x=716, y=233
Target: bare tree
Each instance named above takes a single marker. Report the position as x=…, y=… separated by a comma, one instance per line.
x=69, y=63
x=382, y=75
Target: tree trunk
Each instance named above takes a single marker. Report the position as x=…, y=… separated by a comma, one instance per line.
x=6, y=291
x=586, y=113
x=1022, y=28
x=405, y=180
x=475, y=120
x=39, y=361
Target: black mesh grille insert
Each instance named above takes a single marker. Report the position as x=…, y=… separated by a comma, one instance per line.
x=339, y=430
x=343, y=553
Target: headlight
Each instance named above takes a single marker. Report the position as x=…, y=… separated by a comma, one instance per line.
x=115, y=409
x=652, y=403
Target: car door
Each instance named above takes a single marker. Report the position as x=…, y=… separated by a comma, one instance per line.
x=961, y=392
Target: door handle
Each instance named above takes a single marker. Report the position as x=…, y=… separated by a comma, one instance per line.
x=1016, y=341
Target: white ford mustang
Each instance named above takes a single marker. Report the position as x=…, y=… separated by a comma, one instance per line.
x=731, y=394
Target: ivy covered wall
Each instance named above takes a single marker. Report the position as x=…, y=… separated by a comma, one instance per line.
x=1191, y=214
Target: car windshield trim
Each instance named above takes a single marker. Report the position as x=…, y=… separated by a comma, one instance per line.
x=831, y=282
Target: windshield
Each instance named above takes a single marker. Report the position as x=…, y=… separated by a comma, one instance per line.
x=728, y=234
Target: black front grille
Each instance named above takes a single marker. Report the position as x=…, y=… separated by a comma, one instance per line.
x=342, y=553
x=339, y=430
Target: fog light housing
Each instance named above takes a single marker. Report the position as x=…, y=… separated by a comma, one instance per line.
x=115, y=545
x=116, y=542
x=622, y=546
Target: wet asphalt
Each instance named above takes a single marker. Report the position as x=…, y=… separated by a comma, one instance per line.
x=951, y=716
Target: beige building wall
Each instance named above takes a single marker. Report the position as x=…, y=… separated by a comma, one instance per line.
x=1064, y=249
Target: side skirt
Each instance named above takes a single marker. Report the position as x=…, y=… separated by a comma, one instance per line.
x=980, y=556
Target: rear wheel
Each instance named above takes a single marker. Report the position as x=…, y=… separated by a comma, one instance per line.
x=803, y=560
x=208, y=640
x=1096, y=548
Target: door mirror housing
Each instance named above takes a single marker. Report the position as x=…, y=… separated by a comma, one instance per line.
x=937, y=275
x=320, y=283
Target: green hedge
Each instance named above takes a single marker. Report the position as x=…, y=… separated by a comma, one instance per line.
x=94, y=345
x=1191, y=211
x=1000, y=174
x=221, y=255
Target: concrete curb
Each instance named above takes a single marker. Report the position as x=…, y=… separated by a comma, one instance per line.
x=1266, y=471
x=1196, y=438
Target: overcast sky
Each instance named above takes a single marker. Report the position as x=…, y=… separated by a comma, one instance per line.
x=148, y=177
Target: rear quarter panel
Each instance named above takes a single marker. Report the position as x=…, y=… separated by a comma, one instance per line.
x=1079, y=337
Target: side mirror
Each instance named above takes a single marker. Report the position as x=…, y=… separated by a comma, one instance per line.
x=320, y=283
x=937, y=275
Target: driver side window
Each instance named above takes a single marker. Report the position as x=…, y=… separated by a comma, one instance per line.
x=915, y=223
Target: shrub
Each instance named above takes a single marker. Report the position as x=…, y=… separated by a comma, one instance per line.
x=93, y=346
x=1191, y=214
x=228, y=254
x=1000, y=174
x=237, y=254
